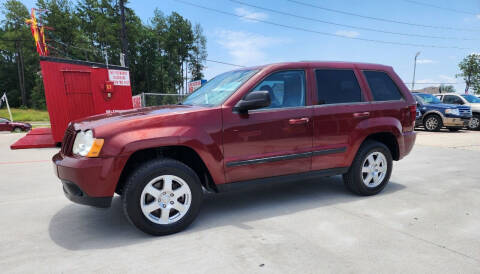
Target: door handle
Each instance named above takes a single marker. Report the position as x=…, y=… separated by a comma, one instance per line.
x=300, y=121
x=361, y=114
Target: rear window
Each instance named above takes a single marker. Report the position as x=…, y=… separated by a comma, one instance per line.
x=382, y=86
x=337, y=87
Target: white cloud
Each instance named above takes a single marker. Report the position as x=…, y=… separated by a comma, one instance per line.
x=347, y=33
x=250, y=16
x=448, y=79
x=425, y=61
x=425, y=81
x=244, y=47
x=478, y=16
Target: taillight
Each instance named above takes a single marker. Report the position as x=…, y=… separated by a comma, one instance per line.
x=413, y=112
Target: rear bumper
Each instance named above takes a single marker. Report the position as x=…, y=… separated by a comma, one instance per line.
x=89, y=181
x=405, y=143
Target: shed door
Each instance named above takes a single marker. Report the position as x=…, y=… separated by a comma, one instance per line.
x=79, y=94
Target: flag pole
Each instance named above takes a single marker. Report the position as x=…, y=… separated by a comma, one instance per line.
x=4, y=97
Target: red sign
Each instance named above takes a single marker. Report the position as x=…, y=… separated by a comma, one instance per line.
x=192, y=86
x=137, y=101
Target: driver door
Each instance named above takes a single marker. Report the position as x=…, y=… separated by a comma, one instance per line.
x=272, y=141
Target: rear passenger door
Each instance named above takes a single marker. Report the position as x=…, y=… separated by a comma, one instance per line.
x=340, y=105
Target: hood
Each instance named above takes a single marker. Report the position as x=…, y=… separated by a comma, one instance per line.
x=132, y=115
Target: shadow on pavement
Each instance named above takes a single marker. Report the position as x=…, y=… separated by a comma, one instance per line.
x=77, y=227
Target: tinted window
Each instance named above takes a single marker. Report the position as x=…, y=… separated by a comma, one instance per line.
x=3, y=120
x=452, y=99
x=337, y=86
x=286, y=88
x=382, y=86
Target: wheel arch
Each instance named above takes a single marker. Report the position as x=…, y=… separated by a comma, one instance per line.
x=389, y=140
x=182, y=153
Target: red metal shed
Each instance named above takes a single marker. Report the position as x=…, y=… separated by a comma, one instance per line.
x=77, y=89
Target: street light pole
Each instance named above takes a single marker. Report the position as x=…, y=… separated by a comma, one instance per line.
x=414, y=69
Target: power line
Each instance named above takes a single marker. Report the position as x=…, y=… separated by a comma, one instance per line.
x=439, y=83
x=440, y=7
x=320, y=32
x=350, y=26
x=225, y=63
x=378, y=18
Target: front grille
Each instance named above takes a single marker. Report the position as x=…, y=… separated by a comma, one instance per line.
x=68, y=140
x=465, y=111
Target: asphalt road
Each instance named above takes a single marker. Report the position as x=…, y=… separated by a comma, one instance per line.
x=427, y=220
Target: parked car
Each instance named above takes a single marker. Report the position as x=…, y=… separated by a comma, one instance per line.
x=467, y=100
x=287, y=121
x=7, y=125
x=436, y=114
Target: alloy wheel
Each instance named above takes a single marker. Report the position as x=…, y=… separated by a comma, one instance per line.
x=165, y=199
x=431, y=123
x=474, y=123
x=374, y=169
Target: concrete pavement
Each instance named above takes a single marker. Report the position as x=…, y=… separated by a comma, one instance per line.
x=426, y=220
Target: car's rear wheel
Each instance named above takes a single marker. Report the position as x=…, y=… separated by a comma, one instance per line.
x=17, y=130
x=474, y=123
x=432, y=122
x=162, y=197
x=370, y=170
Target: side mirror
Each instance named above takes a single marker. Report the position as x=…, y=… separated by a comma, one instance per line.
x=253, y=100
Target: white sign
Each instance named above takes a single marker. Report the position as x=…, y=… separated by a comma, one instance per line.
x=119, y=77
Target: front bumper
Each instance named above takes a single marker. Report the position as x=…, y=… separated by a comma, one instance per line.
x=77, y=195
x=455, y=122
x=88, y=181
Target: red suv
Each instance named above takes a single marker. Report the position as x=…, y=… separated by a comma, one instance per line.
x=286, y=121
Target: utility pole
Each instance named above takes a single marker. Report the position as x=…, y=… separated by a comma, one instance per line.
x=21, y=72
x=124, y=33
x=414, y=69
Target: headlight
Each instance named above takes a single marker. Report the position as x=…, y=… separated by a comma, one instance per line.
x=86, y=145
x=453, y=111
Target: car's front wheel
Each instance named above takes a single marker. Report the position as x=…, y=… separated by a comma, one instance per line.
x=162, y=197
x=432, y=122
x=370, y=170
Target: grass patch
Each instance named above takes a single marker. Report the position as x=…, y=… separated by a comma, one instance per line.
x=24, y=115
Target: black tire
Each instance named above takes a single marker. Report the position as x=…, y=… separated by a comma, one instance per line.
x=132, y=195
x=17, y=130
x=353, y=179
x=454, y=129
x=435, y=125
x=474, y=124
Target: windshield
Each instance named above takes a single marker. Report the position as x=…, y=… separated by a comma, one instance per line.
x=427, y=99
x=471, y=98
x=217, y=90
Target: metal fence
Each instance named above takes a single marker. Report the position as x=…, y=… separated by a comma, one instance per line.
x=158, y=99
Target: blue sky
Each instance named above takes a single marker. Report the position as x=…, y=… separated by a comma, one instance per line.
x=249, y=42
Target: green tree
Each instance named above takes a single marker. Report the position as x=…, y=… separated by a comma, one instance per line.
x=19, y=59
x=470, y=67
x=198, y=53
x=446, y=88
